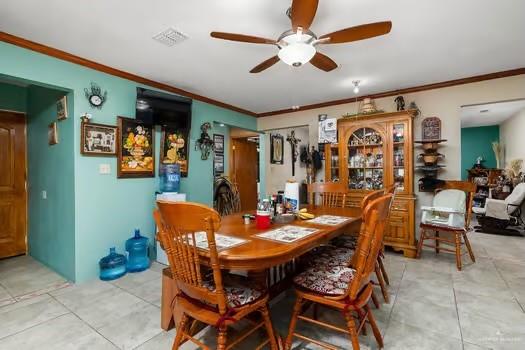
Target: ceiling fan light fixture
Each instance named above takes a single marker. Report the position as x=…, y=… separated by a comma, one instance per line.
x=356, y=86
x=297, y=54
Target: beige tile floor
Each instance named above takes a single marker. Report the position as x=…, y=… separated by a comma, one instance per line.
x=433, y=306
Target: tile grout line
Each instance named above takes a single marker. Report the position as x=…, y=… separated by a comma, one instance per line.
x=137, y=296
x=457, y=314
x=522, y=307
x=84, y=322
x=395, y=301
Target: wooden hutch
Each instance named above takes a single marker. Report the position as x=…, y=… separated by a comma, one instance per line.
x=376, y=151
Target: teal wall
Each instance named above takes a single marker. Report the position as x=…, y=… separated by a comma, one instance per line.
x=51, y=221
x=107, y=209
x=13, y=98
x=477, y=142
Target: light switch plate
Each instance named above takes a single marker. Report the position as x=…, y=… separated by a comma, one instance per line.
x=44, y=194
x=104, y=169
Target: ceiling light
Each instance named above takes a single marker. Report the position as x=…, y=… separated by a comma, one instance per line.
x=295, y=107
x=142, y=105
x=221, y=125
x=356, y=86
x=297, y=49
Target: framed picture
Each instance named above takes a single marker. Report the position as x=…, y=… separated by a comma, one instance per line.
x=62, y=108
x=218, y=164
x=174, y=148
x=218, y=141
x=327, y=129
x=431, y=128
x=52, y=134
x=98, y=139
x=135, y=149
x=276, y=149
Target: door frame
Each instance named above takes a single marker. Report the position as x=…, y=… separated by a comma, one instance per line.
x=26, y=216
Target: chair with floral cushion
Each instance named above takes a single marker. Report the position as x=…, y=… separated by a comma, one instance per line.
x=200, y=298
x=345, y=288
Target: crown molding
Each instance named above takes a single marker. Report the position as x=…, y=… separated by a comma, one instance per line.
x=65, y=56
x=444, y=84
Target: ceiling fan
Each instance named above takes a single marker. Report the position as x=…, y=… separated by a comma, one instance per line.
x=298, y=45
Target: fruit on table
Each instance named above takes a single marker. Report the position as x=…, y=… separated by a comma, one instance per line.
x=303, y=214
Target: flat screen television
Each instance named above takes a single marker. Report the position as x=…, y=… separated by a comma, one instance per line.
x=159, y=108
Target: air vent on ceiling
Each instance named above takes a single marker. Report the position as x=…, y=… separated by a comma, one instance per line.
x=170, y=37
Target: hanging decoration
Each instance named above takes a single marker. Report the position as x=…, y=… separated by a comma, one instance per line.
x=95, y=96
x=293, y=144
x=205, y=143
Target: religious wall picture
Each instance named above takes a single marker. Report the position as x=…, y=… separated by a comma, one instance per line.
x=327, y=129
x=431, y=128
x=52, y=134
x=98, y=139
x=174, y=148
x=276, y=149
x=62, y=108
x=135, y=150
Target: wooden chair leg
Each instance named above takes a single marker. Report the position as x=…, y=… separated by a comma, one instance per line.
x=221, y=337
x=383, y=271
x=352, y=329
x=375, y=328
x=269, y=328
x=458, y=250
x=469, y=248
x=293, y=322
x=420, y=243
x=437, y=242
x=375, y=300
x=180, y=332
x=382, y=284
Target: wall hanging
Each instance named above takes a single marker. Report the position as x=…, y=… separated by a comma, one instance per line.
x=52, y=134
x=136, y=154
x=293, y=144
x=204, y=143
x=95, y=96
x=174, y=148
x=218, y=159
x=276, y=149
x=62, y=108
x=98, y=139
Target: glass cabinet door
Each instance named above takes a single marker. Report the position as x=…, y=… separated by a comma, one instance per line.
x=365, y=160
x=334, y=163
x=399, y=155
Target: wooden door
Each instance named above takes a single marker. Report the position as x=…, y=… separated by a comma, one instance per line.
x=244, y=171
x=13, y=196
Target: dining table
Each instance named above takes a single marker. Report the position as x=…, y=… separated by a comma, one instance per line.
x=258, y=256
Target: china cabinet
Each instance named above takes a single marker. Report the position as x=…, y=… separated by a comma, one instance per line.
x=375, y=152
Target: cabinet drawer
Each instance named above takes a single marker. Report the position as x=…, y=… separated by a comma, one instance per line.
x=398, y=229
x=400, y=205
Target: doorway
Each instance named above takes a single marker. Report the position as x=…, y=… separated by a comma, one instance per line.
x=13, y=189
x=244, y=169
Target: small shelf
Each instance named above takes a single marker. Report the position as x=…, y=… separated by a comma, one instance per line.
x=364, y=146
x=399, y=143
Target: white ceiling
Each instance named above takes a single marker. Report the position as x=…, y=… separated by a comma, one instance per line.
x=430, y=41
x=495, y=113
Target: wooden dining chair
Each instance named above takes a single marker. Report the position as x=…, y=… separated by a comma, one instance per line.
x=345, y=288
x=350, y=243
x=459, y=235
x=327, y=194
x=207, y=299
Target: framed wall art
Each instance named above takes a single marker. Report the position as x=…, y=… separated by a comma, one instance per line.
x=431, y=128
x=62, y=108
x=218, y=141
x=218, y=164
x=276, y=149
x=98, y=139
x=52, y=134
x=174, y=148
x=135, y=149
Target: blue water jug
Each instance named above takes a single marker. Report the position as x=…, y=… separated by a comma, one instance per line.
x=137, y=248
x=112, y=266
x=169, y=177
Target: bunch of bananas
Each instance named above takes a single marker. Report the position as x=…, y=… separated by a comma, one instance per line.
x=303, y=214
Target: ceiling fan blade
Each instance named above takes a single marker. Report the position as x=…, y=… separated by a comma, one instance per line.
x=242, y=38
x=356, y=33
x=265, y=65
x=303, y=13
x=323, y=62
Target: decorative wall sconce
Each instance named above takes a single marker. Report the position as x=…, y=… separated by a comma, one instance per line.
x=205, y=143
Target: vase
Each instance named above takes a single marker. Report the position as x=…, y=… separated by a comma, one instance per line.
x=137, y=153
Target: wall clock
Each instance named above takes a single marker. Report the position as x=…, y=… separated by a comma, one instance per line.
x=95, y=96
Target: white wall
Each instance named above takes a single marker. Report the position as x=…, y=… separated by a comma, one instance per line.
x=512, y=136
x=444, y=103
x=276, y=174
